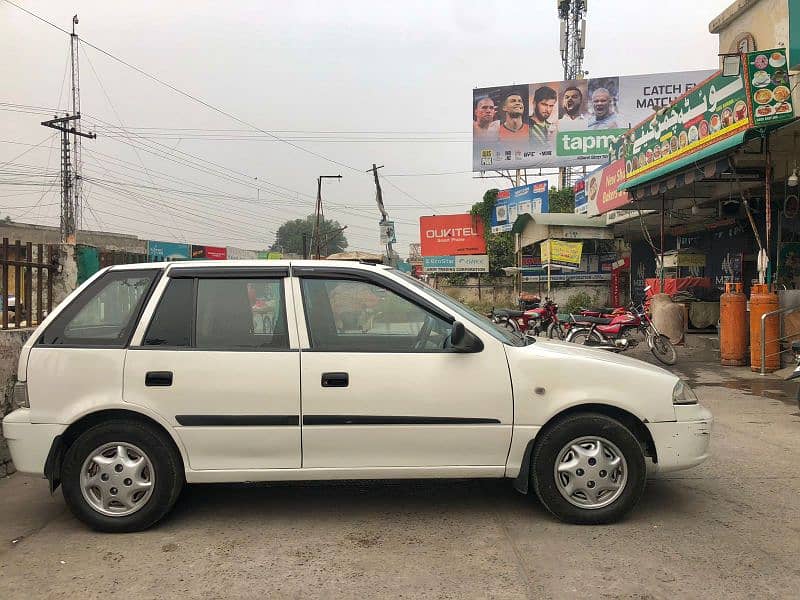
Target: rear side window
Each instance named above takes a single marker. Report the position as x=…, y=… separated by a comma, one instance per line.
x=221, y=314
x=172, y=321
x=105, y=314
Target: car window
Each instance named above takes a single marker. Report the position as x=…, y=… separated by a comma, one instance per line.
x=105, y=313
x=172, y=322
x=358, y=316
x=241, y=313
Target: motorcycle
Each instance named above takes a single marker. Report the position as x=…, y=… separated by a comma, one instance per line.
x=517, y=320
x=559, y=329
x=616, y=333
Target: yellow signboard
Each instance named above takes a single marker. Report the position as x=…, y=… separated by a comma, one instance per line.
x=562, y=254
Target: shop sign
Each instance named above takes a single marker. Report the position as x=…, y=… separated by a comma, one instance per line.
x=565, y=232
x=605, y=195
x=685, y=259
x=579, y=193
x=567, y=277
x=620, y=216
x=209, y=252
x=531, y=199
x=478, y=263
x=561, y=254
x=450, y=235
x=768, y=82
x=167, y=251
x=713, y=111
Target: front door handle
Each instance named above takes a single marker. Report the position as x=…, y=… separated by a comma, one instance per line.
x=158, y=378
x=335, y=380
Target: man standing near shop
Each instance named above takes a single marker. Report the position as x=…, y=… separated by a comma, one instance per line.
x=485, y=128
x=513, y=127
x=542, y=131
x=604, y=115
x=572, y=118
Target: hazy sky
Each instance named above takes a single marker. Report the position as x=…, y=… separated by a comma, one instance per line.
x=356, y=82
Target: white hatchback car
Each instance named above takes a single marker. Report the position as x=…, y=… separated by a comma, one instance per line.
x=152, y=375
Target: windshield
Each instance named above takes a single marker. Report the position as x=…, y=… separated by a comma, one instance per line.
x=500, y=333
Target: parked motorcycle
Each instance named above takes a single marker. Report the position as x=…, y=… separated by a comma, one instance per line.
x=559, y=329
x=617, y=333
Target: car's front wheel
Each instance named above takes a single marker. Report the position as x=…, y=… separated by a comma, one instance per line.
x=588, y=469
x=121, y=476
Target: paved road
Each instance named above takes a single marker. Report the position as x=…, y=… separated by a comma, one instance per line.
x=727, y=529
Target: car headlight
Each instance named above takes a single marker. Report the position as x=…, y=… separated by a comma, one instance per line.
x=682, y=393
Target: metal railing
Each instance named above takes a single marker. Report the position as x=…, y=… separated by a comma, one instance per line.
x=780, y=311
x=26, y=284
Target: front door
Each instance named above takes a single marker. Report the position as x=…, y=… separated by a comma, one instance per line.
x=218, y=361
x=380, y=389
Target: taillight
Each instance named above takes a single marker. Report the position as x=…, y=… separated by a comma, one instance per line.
x=21, y=395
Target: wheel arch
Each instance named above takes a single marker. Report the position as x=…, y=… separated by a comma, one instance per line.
x=52, y=467
x=627, y=418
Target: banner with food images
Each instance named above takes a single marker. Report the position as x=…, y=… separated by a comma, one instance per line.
x=768, y=80
x=716, y=109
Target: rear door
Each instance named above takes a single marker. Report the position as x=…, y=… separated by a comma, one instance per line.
x=217, y=357
x=381, y=390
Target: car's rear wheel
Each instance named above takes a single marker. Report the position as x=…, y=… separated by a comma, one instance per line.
x=121, y=476
x=588, y=469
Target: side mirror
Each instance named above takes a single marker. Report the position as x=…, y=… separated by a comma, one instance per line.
x=463, y=341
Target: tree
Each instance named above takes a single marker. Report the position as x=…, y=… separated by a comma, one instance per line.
x=499, y=246
x=289, y=237
x=562, y=201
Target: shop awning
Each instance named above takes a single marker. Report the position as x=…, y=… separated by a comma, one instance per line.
x=697, y=166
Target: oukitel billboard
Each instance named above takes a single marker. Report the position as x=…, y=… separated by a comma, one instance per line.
x=451, y=235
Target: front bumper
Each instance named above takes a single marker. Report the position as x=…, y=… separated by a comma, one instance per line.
x=683, y=443
x=29, y=443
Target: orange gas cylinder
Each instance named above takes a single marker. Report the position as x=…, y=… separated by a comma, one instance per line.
x=762, y=301
x=733, y=326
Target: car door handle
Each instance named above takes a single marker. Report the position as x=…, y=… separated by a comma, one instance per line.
x=158, y=378
x=335, y=380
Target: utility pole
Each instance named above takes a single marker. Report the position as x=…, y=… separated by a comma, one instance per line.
x=68, y=198
x=572, y=14
x=319, y=215
x=382, y=208
x=77, y=187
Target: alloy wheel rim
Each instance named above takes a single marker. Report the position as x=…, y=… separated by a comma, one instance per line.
x=117, y=479
x=590, y=472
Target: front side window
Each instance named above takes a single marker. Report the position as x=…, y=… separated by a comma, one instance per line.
x=105, y=313
x=357, y=316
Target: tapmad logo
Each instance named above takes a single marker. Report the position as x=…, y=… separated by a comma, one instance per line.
x=579, y=143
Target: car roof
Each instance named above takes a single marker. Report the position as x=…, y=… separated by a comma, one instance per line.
x=223, y=264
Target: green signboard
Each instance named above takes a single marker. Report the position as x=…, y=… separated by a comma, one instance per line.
x=768, y=80
x=714, y=110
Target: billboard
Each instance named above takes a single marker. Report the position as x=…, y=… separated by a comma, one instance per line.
x=167, y=251
x=209, y=252
x=565, y=123
x=710, y=113
x=598, y=190
x=451, y=235
x=562, y=254
x=474, y=263
x=530, y=199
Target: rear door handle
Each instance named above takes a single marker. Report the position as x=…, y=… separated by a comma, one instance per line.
x=335, y=380
x=158, y=378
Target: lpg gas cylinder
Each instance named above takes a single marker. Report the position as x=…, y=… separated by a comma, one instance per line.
x=733, y=326
x=763, y=301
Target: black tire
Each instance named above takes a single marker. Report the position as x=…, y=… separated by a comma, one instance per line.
x=555, y=332
x=167, y=467
x=556, y=437
x=581, y=335
x=663, y=349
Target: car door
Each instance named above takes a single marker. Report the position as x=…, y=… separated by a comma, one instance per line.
x=380, y=389
x=216, y=356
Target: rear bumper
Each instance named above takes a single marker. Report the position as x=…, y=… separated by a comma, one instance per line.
x=683, y=443
x=29, y=443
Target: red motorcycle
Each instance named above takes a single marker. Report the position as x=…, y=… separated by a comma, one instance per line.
x=559, y=330
x=616, y=333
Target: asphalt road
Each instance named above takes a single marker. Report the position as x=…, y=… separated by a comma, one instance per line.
x=727, y=529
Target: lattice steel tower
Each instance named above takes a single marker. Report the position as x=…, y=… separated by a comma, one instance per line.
x=572, y=14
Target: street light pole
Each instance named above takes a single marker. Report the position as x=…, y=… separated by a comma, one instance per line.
x=319, y=214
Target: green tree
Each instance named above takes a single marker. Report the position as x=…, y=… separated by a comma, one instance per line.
x=562, y=201
x=499, y=246
x=289, y=237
